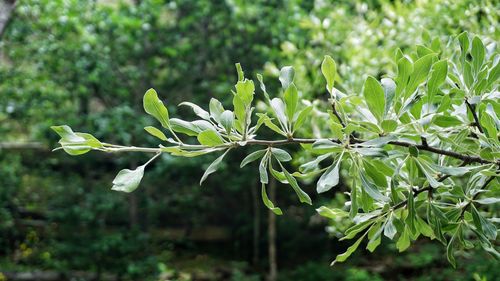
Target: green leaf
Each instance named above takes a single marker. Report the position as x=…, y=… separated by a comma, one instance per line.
x=245, y=90
x=326, y=146
x=446, y=121
x=239, y=110
x=184, y=127
x=213, y=166
x=488, y=123
x=281, y=155
x=268, y=202
x=375, y=97
x=463, y=39
x=154, y=107
x=372, y=189
x=483, y=225
x=304, y=113
x=331, y=213
x=486, y=201
x=449, y=248
x=263, y=86
x=239, y=70
x=410, y=219
x=156, y=133
x=210, y=138
x=286, y=76
x=374, y=236
x=424, y=228
x=279, y=109
x=227, y=120
x=389, y=228
x=420, y=71
x=352, y=231
x=252, y=157
x=330, y=177
x=75, y=143
x=128, y=180
x=350, y=250
x=312, y=165
x=262, y=170
x=329, y=70
x=267, y=121
x=291, y=98
x=389, y=92
x=389, y=126
x=303, y=197
x=438, y=74
x=428, y=172
x=216, y=109
x=197, y=110
x=405, y=68
x=404, y=240
x=374, y=173
x=413, y=151
x=478, y=52
x=452, y=171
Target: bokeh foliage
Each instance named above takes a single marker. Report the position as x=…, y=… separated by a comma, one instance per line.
x=88, y=64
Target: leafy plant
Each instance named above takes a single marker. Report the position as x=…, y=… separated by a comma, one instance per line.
x=421, y=148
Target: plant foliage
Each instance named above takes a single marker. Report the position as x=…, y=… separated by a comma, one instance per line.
x=420, y=149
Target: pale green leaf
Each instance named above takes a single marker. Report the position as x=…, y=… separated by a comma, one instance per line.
x=128, y=180
x=155, y=107
x=374, y=97
x=348, y=253
x=156, y=133
x=304, y=113
x=331, y=213
x=330, y=177
x=291, y=98
x=329, y=70
x=286, y=76
x=210, y=138
x=477, y=52
x=303, y=197
x=281, y=155
x=252, y=157
x=268, y=202
x=227, y=120
x=213, y=167
x=197, y=110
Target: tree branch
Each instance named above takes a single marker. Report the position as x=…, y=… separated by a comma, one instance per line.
x=474, y=115
x=335, y=112
x=464, y=157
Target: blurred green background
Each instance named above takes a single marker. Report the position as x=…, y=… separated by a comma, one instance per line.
x=88, y=63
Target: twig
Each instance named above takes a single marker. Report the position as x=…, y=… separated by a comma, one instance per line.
x=474, y=115
x=464, y=157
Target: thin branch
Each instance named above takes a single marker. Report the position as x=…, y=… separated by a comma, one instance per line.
x=464, y=157
x=453, y=154
x=474, y=115
x=335, y=112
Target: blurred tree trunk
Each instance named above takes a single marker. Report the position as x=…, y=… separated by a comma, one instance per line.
x=256, y=224
x=133, y=210
x=6, y=12
x=273, y=265
x=133, y=213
